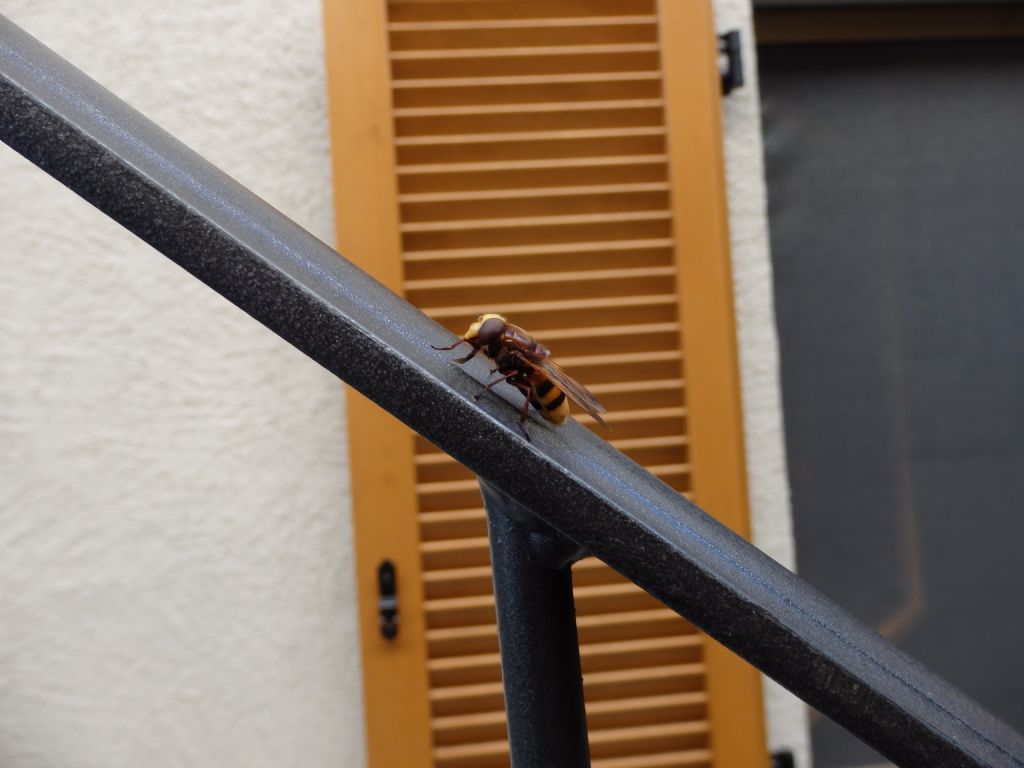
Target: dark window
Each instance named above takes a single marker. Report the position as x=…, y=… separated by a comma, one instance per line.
x=896, y=194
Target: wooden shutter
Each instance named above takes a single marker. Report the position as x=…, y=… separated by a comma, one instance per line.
x=558, y=161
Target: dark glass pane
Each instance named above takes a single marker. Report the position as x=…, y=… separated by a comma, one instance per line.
x=896, y=193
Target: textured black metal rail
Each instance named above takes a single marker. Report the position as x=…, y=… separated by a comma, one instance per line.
x=300, y=288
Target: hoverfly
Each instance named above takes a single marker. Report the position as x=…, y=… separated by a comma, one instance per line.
x=526, y=364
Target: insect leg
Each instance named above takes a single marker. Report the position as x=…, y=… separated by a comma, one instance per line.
x=522, y=417
x=494, y=383
x=526, y=389
x=453, y=346
x=467, y=358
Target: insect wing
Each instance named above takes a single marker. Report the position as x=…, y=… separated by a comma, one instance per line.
x=573, y=389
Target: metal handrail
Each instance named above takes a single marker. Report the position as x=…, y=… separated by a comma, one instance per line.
x=571, y=480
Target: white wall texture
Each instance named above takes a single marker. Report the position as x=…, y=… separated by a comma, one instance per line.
x=758, y=348
x=176, y=571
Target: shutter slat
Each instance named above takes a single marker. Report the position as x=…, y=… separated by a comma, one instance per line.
x=691, y=757
x=554, y=277
x=623, y=358
x=636, y=386
x=546, y=80
x=457, y=524
x=592, y=21
x=651, y=738
x=475, y=580
x=483, y=726
x=479, y=609
x=536, y=221
x=612, y=331
x=446, y=516
x=647, y=704
x=556, y=106
x=513, y=194
x=539, y=249
x=541, y=50
x=481, y=638
x=440, y=547
x=587, y=652
x=482, y=668
x=606, y=684
x=654, y=738
x=511, y=309
x=526, y=136
x=652, y=414
x=544, y=164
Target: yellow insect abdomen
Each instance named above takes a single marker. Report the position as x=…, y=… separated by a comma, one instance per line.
x=550, y=400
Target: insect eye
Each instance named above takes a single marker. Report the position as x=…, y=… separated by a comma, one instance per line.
x=490, y=328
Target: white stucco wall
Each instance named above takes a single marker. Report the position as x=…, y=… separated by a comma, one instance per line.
x=758, y=346
x=175, y=578
x=175, y=545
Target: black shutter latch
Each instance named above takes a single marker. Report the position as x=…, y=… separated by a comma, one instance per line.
x=730, y=61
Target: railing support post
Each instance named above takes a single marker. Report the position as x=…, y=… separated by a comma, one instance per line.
x=540, y=655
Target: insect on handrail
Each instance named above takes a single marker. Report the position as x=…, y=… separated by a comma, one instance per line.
x=526, y=364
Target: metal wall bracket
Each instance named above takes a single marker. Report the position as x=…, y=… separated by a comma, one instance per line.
x=730, y=55
x=387, y=601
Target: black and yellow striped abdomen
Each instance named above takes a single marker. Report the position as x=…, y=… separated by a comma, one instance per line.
x=547, y=398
